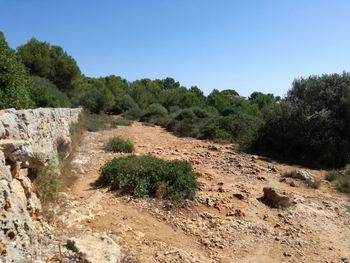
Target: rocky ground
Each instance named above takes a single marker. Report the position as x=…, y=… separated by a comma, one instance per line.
x=227, y=222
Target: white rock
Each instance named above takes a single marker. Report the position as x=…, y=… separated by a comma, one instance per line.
x=95, y=248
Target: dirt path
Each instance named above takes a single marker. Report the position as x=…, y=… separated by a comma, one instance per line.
x=217, y=226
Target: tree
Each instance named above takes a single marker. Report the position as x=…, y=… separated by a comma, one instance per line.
x=169, y=83
x=312, y=124
x=45, y=94
x=261, y=99
x=52, y=63
x=14, y=79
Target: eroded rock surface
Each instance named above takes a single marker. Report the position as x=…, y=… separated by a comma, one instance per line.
x=28, y=139
x=95, y=248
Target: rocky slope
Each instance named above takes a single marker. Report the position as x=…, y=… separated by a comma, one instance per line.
x=232, y=219
x=229, y=221
x=28, y=139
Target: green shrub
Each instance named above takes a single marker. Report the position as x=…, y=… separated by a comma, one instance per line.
x=185, y=128
x=96, y=100
x=121, y=122
x=331, y=175
x=149, y=176
x=47, y=182
x=212, y=131
x=200, y=113
x=157, y=120
x=340, y=179
x=95, y=122
x=174, y=109
x=157, y=109
x=157, y=115
x=117, y=144
x=185, y=114
x=134, y=113
x=45, y=94
x=14, y=79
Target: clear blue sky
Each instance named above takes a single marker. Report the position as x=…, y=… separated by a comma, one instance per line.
x=245, y=45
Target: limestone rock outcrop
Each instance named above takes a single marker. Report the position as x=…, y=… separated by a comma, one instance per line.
x=28, y=139
x=95, y=248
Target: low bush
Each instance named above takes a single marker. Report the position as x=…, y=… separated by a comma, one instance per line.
x=185, y=114
x=185, y=128
x=149, y=176
x=95, y=122
x=157, y=109
x=200, y=113
x=213, y=132
x=134, y=113
x=46, y=182
x=45, y=94
x=340, y=179
x=117, y=144
x=121, y=122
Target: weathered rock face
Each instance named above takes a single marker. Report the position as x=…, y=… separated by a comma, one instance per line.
x=28, y=139
x=95, y=248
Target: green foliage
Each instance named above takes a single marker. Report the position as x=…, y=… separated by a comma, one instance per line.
x=121, y=122
x=200, y=113
x=157, y=109
x=214, y=132
x=95, y=100
x=312, y=124
x=94, y=122
x=14, y=80
x=117, y=144
x=261, y=99
x=45, y=94
x=134, y=113
x=52, y=63
x=149, y=176
x=340, y=179
x=186, y=128
x=47, y=182
x=185, y=114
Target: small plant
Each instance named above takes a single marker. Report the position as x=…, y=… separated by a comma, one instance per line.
x=291, y=174
x=340, y=179
x=331, y=175
x=94, y=122
x=149, y=176
x=121, y=122
x=47, y=182
x=117, y=144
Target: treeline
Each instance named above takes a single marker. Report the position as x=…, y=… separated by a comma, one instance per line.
x=311, y=125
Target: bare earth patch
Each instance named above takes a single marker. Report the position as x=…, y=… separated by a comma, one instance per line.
x=226, y=222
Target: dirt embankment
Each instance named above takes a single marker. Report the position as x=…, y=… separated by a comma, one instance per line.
x=225, y=223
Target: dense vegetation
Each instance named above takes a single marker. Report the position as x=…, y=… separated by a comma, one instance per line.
x=311, y=125
x=14, y=80
x=117, y=144
x=149, y=176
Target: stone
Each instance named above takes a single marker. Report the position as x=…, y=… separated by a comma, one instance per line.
x=275, y=198
x=28, y=139
x=95, y=248
x=302, y=175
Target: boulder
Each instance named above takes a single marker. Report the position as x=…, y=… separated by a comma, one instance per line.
x=95, y=248
x=275, y=198
x=305, y=176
